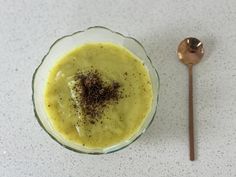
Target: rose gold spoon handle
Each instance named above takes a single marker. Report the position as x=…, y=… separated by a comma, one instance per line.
x=191, y=124
x=190, y=52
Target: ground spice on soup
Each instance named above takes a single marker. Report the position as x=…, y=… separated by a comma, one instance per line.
x=94, y=94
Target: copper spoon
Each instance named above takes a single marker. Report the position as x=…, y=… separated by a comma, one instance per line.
x=190, y=52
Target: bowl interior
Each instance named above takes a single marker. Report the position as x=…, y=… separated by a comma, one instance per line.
x=59, y=49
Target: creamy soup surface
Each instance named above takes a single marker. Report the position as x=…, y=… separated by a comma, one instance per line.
x=126, y=90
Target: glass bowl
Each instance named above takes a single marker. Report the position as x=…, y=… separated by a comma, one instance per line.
x=66, y=43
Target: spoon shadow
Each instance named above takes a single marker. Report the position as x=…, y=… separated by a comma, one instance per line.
x=209, y=46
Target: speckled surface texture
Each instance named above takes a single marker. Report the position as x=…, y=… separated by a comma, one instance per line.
x=28, y=28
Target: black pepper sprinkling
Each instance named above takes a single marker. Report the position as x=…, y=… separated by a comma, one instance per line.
x=94, y=94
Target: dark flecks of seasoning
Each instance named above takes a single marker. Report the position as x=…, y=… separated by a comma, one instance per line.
x=126, y=96
x=92, y=121
x=94, y=94
x=125, y=75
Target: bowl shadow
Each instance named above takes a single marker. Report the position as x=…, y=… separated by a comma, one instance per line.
x=171, y=121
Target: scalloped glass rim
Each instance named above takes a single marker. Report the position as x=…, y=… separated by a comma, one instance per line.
x=91, y=34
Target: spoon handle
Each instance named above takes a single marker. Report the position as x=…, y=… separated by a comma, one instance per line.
x=191, y=125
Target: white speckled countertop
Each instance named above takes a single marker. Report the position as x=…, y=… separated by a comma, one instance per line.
x=28, y=28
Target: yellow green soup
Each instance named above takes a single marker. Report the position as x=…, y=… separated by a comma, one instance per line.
x=121, y=119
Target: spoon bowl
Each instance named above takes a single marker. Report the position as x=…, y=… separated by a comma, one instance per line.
x=190, y=51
